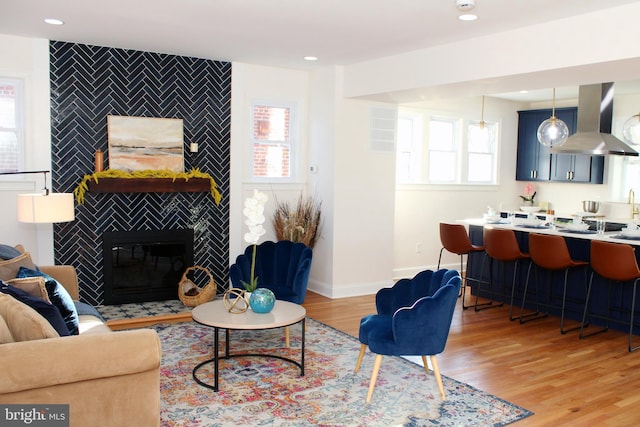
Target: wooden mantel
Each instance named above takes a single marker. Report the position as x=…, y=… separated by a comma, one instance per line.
x=149, y=185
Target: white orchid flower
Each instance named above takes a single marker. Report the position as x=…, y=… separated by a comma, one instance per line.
x=254, y=213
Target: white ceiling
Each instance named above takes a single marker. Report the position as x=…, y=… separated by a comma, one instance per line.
x=280, y=32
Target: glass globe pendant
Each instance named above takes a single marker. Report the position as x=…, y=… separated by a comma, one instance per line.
x=553, y=132
x=631, y=130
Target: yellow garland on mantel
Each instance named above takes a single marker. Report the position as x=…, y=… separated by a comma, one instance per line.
x=83, y=186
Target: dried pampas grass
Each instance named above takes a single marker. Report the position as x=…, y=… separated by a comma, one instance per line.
x=301, y=224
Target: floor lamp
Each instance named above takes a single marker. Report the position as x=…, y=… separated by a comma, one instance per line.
x=45, y=207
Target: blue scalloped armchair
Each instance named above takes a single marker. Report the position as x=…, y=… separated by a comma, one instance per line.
x=413, y=319
x=283, y=267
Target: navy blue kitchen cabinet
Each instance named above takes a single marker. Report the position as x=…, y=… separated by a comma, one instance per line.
x=535, y=161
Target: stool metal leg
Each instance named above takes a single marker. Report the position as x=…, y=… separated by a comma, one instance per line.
x=633, y=309
x=586, y=311
x=490, y=304
x=467, y=279
x=524, y=318
x=564, y=299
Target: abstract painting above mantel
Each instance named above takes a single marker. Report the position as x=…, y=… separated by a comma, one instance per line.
x=141, y=143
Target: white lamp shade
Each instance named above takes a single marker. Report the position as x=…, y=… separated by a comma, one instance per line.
x=40, y=208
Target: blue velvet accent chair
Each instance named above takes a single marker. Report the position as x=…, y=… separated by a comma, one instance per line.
x=413, y=319
x=283, y=267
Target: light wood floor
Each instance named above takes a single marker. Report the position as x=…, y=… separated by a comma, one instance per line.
x=564, y=380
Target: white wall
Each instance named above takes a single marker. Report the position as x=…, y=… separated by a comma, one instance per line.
x=364, y=194
x=28, y=59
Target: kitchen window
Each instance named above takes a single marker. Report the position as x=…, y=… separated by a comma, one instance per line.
x=408, y=139
x=451, y=153
x=444, y=152
x=273, y=142
x=481, y=153
x=11, y=125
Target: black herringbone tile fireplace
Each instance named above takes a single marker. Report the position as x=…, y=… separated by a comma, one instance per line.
x=90, y=82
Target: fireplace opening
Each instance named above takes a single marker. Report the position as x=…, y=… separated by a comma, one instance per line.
x=141, y=266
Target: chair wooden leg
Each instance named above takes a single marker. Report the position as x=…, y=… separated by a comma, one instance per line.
x=426, y=365
x=436, y=372
x=286, y=336
x=363, y=348
x=374, y=376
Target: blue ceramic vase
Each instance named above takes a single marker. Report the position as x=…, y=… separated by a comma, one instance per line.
x=262, y=300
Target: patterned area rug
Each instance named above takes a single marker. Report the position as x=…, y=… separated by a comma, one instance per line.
x=258, y=391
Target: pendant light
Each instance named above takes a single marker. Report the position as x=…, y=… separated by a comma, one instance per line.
x=553, y=132
x=480, y=134
x=631, y=130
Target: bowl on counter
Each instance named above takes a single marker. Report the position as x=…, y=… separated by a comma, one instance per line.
x=590, y=206
x=530, y=209
x=630, y=232
x=492, y=219
x=576, y=227
x=529, y=222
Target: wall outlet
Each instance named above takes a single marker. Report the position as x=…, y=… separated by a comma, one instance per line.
x=418, y=248
x=193, y=147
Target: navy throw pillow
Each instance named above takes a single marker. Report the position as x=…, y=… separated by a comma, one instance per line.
x=58, y=296
x=46, y=310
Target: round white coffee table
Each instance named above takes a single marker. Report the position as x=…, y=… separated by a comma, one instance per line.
x=214, y=314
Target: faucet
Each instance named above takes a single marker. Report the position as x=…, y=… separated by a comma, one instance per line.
x=631, y=200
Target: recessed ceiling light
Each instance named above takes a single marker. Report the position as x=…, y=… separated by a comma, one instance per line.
x=468, y=17
x=52, y=21
x=310, y=58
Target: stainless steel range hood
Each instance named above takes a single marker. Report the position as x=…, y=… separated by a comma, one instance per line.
x=593, y=135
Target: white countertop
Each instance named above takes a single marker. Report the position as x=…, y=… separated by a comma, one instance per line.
x=608, y=236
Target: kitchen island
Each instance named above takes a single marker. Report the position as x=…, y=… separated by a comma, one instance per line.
x=550, y=285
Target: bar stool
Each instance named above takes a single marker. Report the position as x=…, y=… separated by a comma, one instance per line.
x=615, y=262
x=550, y=252
x=455, y=239
x=501, y=245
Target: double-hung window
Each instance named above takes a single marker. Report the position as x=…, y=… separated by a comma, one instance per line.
x=481, y=153
x=11, y=126
x=444, y=151
x=409, y=148
x=273, y=142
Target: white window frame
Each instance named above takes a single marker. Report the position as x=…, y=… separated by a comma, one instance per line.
x=461, y=146
x=492, y=130
x=414, y=176
x=292, y=143
x=456, y=150
x=19, y=120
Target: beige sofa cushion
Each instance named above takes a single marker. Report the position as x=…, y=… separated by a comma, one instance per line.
x=34, y=286
x=9, y=268
x=5, y=333
x=23, y=322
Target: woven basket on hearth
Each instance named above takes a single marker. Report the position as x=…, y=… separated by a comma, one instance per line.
x=190, y=293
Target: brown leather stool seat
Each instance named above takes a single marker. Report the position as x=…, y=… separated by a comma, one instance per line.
x=455, y=239
x=617, y=263
x=502, y=245
x=550, y=252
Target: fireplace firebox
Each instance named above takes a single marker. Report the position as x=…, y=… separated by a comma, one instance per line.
x=145, y=265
